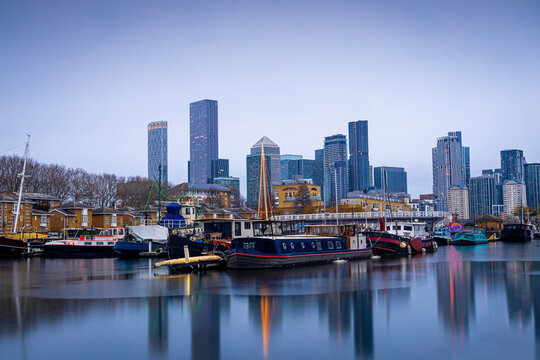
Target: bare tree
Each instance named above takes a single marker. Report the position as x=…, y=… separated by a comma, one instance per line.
x=136, y=191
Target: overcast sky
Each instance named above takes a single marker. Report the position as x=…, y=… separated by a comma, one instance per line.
x=86, y=77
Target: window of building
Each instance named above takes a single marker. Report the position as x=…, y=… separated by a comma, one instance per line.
x=74, y=220
x=107, y=220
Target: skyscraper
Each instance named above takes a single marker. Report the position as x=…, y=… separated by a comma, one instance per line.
x=448, y=168
x=532, y=182
x=359, y=155
x=335, y=150
x=391, y=179
x=157, y=150
x=484, y=192
x=253, y=168
x=458, y=201
x=318, y=170
x=270, y=148
x=465, y=155
x=512, y=162
x=203, y=139
x=290, y=165
x=218, y=168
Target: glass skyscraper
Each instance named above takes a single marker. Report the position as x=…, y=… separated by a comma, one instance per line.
x=391, y=179
x=253, y=168
x=272, y=149
x=512, y=162
x=157, y=150
x=532, y=183
x=359, y=155
x=335, y=150
x=484, y=192
x=203, y=139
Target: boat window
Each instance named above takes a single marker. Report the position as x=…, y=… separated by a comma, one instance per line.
x=313, y=245
x=99, y=243
x=276, y=227
x=252, y=246
x=247, y=225
x=338, y=244
x=88, y=243
x=409, y=228
x=110, y=243
x=246, y=246
x=284, y=246
x=399, y=227
x=319, y=247
x=331, y=245
x=237, y=229
x=388, y=228
x=303, y=245
x=292, y=245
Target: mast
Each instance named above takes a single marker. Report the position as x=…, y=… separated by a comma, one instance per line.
x=335, y=182
x=265, y=205
x=22, y=175
x=159, y=195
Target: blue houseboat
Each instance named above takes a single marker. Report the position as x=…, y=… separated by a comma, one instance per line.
x=472, y=237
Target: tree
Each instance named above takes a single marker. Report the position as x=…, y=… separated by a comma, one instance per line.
x=303, y=200
x=136, y=191
x=527, y=211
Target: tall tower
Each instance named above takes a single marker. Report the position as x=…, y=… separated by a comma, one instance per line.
x=448, y=168
x=512, y=162
x=359, y=155
x=157, y=150
x=253, y=168
x=203, y=139
x=271, y=149
x=335, y=161
x=532, y=183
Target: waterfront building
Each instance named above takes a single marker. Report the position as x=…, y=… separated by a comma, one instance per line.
x=359, y=155
x=372, y=202
x=71, y=215
x=390, y=179
x=532, y=183
x=335, y=150
x=291, y=165
x=157, y=150
x=218, y=168
x=230, y=182
x=448, y=167
x=514, y=195
x=105, y=217
x=286, y=193
x=458, y=201
x=485, y=191
x=512, y=162
x=253, y=177
x=271, y=149
x=8, y=204
x=203, y=140
x=212, y=194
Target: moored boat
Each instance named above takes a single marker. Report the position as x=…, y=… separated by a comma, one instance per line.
x=141, y=239
x=442, y=236
x=517, y=233
x=11, y=247
x=401, y=238
x=470, y=237
x=87, y=246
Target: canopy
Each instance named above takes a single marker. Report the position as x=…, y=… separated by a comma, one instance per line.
x=155, y=233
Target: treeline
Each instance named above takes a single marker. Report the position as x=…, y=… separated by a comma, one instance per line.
x=97, y=190
x=70, y=184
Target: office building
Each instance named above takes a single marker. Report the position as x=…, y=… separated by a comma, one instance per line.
x=465, y=155
x=203, y=140
x=448, y=168
x=532, y=184
x=458, y=201
x=218, y=168
x=514, y=195
x=318, y=170
x=512, y=162
x=390, y=179
x=335, y=153
x=232, y=183
x=359, y=155
x=157, y=150
x=271, y=149
x=291, y=165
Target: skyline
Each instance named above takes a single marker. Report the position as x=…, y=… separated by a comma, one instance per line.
x=90, y=77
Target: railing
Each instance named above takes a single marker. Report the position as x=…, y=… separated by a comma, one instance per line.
x=365, y=215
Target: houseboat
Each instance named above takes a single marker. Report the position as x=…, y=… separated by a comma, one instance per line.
x=475, y=236
x=400, y=238
x=101, y=245
x=281, y=244
x=517, y=233
x=143, y=238
x=442, y=236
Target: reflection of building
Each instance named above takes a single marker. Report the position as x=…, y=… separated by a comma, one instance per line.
x=158, y=326
x=518, y=292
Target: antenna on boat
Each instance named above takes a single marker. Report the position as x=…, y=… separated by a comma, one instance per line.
x=22, y=175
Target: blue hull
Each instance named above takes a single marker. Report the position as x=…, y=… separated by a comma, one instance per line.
x=133, y=249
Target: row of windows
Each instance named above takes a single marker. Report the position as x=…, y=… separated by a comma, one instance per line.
x=313, y=245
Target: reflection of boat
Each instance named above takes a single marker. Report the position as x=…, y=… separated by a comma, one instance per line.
x=11, y=247
x=276, y=244
x=471, y=237
x=517, y=233
x=101, y=245
x=441, y=236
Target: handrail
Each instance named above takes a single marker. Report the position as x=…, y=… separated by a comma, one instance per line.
x=364, y=215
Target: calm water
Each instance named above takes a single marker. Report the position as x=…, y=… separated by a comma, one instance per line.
x=471, y=303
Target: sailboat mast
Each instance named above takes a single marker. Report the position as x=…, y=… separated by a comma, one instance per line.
x=22, y=175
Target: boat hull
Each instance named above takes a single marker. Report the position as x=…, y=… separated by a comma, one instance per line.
x=384, y=244
x=11, y=248
x=464, y=242
x=521, y=234
x=441, y=241
x=134, y=249
x=78, y=251
x=237, y=260
x=196, y=248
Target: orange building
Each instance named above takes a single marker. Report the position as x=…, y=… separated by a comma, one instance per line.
x=72, y=215
x=286, y=194
x=8, y=202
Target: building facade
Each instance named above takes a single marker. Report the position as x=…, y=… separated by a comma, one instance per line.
x=286, y=193
x=514, y=195
x=271, y=149
x=218, y=168
x=532, y=183
x=359, y=155
x=335, y=150
x=253, y=177
x=232, y=183
x=448, y=168
x=512, y=164
x=484, y=194
x=157, y=150
x=374, y=203
x=390, y=179
x=203, y=139
x=458, y=201
x=291, y=165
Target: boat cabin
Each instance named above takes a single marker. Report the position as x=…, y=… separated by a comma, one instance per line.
x=407, y=229
x=354, y=238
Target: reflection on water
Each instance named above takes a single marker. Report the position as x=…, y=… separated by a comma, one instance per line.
x=458, y=303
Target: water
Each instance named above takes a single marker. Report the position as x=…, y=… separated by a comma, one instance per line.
x=463, y=302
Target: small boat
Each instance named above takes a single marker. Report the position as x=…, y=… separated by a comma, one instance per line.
x=87, y=246
x=517, y=233
x=401, y=238
x=442, y=236
x=143, y=238
x=195, y=263
x=11, y=247
x=275, y=244
x=470, y=237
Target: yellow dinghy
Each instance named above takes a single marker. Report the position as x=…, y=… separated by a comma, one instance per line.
x=193, y=263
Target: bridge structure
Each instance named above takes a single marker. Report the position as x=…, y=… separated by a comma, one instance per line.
x=371, y=217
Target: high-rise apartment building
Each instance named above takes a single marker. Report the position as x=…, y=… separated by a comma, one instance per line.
x=465, y=155
x=485, y=191
x=203, y=139
x=514, y=195
x=532, y=183
x=512, y=162
x=335, y=150
x=218, y=168
x=157, y=150
x=458, y=201
x=448, y=167
x=390, y=179
x=359, y=155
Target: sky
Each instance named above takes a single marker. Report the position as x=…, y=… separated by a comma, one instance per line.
x=84, y=78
